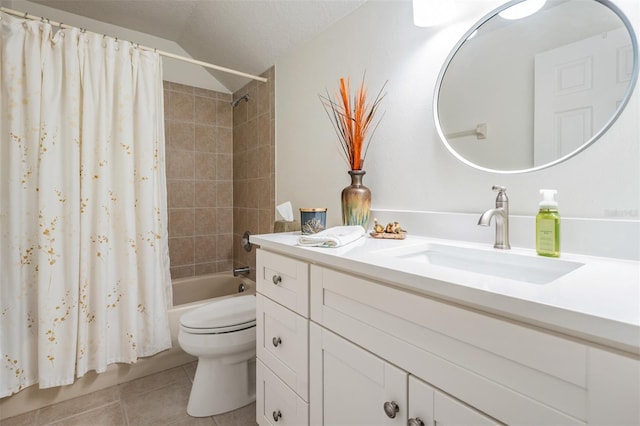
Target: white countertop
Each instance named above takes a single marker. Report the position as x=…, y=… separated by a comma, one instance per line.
x=598, y=302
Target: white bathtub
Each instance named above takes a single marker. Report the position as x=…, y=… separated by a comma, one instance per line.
x=188, y=293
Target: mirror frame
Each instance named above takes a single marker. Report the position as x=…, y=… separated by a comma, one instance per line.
x=625, y=100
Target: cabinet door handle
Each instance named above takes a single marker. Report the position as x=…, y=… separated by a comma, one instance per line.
x=277, y=415
x=415, y=421
x=276, y=341
x=391, y=409
x=277, y=279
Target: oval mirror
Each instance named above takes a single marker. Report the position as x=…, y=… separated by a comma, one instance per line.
x=524, y=94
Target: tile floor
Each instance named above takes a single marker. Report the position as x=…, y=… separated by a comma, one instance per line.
x=159, y=399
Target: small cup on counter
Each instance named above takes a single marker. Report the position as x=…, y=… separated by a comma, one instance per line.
x=313, y=220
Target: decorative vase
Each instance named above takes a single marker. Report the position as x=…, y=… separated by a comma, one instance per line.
x=356, y=201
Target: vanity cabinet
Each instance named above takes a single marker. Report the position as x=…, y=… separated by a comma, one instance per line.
x=282, y=340
x=363, y=352
x=351, y=386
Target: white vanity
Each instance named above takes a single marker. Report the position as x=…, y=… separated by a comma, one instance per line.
x=374, y=334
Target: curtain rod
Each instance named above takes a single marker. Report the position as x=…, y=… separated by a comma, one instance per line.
x=160, y=52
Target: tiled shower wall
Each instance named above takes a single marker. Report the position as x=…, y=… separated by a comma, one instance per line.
x=253, y=165
x=199, y=156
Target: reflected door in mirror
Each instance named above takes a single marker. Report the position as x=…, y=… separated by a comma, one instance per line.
x=577, y=85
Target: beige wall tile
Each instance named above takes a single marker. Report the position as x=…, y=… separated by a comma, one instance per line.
x=220, y=173
x=181, y=222
x=224, y=193
x=266, y=218
x=181, y=106
x=263, y=193
x=180, y=193
x=180, y=164
x=205, y=166
x=182, y=271
x=208, y=268
x=224, y=114
x=204, y=248
x=205, y=92
x=181, y=135
x=224, y=265
x=224, y=166
x=224, y=247
x=179, y=87
x=253, y=165
x=205, y=194
x=224, y=140
x=205, y=110
x=205, y=137
x=180, y=251
x=224, y=220
x=205, y=221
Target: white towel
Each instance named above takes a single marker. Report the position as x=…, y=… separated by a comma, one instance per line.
x=332, y=237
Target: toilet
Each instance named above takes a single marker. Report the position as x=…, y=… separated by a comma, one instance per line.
x=222, y=334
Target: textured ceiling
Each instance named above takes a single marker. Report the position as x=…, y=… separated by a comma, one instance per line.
x=247, y=35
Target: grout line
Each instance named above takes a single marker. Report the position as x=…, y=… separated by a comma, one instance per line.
x=94, y=408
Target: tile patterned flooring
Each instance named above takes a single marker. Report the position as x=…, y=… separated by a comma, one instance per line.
x=158, y=399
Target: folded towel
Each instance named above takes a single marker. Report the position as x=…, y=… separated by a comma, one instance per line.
x=332, y=237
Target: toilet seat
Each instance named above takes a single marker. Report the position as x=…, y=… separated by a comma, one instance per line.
x=221, y=316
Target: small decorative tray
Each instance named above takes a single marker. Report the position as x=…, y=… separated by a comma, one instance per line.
x=389, y=235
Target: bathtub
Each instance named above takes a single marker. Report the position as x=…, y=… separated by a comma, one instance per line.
x=188, y=293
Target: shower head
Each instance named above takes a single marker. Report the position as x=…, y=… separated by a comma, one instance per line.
x=237, y=101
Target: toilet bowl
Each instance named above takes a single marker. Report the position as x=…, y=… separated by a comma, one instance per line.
x=222, y=334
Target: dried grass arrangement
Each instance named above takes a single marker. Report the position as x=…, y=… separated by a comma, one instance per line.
x=353, y=119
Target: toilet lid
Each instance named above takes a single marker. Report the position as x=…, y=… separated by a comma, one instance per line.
x=221, y=316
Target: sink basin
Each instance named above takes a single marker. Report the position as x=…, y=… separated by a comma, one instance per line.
x=531, y=269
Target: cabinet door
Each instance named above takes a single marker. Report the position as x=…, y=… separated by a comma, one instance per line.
x=350, y=386
x=430, y=407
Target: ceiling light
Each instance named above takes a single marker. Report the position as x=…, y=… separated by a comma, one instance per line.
x=521, y=10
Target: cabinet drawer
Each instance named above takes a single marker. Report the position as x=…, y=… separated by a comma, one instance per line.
x=282, y=344
x=284, y=280
x=276, y=404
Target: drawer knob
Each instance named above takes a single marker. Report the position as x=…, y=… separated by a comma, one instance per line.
x=277, y=415
x=391, y=409
x=276, y=341
x=415, y=421
x=276, y=279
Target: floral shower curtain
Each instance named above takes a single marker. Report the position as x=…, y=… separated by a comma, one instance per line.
x=84, y=266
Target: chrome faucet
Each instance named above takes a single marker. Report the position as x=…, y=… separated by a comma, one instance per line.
x=243, y=270
x=501, y=213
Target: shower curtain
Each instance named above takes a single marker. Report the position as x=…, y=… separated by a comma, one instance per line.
x=84, y=266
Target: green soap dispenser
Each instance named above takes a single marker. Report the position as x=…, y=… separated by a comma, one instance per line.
x=548, y=225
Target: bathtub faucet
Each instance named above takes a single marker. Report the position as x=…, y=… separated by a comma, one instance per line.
x=243, y=270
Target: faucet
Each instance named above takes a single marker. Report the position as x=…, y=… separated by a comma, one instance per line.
x=501, y=213
x=243, y=270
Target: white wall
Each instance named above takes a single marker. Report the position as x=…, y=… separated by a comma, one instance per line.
x=407, y=167
x=173, y=70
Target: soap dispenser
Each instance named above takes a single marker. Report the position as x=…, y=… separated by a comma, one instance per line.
x=548, y=225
